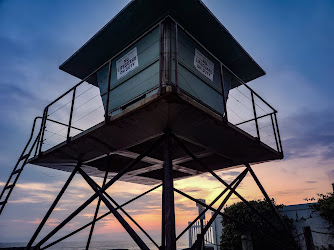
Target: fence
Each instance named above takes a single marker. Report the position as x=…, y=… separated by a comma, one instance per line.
x=211, y=238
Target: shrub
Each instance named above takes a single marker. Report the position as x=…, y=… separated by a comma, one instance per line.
x=231, y=236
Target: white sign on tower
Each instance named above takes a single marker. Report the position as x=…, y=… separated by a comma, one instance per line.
x=204, y=65
x=127, y=63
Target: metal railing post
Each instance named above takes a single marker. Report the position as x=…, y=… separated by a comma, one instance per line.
x=255, y=116
x=71, y=115
x=45, y=116
x=176, y=54
x=223, y=93
x=272, y=122
x=278, y=134
x=160, y=57
x=108, y=93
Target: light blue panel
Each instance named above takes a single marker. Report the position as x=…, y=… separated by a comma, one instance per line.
x=193, y=85
x=139, y=80
x=194, y=82
x=148, y=52
x=186, y=54
x=102, y=80
x=136, y=86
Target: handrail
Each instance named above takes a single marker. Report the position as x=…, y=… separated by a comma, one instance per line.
x=64, y=124
x=106, y=118
x=238, y=78
x=259, y=117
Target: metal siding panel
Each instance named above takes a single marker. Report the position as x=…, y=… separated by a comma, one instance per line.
x=136, y=82
x=194, y=82
x=134, y=87
x=203, y=92
x=186, y=55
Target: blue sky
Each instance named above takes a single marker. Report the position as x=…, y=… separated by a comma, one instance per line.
x=293, y=41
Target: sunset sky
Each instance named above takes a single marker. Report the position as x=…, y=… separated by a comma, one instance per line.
x=293, y=41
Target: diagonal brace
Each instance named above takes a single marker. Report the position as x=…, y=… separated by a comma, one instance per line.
x=204, y=166
x=99, y=218
x=93, y=197
x=199, y=240
x=268, y=200
x=54, y=204
x=97, y=209
x=222, y=214
x=210, y=205
x=121, y=220
x=86, y=177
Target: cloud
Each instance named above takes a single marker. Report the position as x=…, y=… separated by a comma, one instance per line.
x=308, y=134
x=331, y=174
x=230, y=173
x=311, y=182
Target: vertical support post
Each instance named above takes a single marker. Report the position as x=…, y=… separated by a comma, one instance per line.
x=308, y=238
x=106, y=116
x=160, y=56
x=255, y=116
x=97, y=207
x=225, y=119
x=176, y=54
x=45, y=116
x=53, y=206
x=272, y=122
x=202, y=229
x=246, y=242
x=37, y=144
x=71, y=116
x=166, y=52
x=278, y=134
x=214, y=234
x=163, y=231
x=190, y=240
x=168, y=196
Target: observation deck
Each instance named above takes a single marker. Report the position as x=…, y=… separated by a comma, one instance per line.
x=222, y=144
x=164, y=78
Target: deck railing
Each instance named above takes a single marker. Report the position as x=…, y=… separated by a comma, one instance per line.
x=81, y=107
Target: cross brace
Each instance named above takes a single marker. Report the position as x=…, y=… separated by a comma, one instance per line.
x=168, y=236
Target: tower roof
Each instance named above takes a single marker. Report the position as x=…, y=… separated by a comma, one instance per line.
x=139, y=15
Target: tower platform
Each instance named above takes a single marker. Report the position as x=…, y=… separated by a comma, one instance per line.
x=220, y=144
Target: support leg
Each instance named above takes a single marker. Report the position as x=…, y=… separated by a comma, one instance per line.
x=206, y=168
x=97, y=219
x=210, y=205
x=200, y=239
x=121, y=220
x=168, y=196
x=97, y=208
x=268, y=200
x=53, y=206
x=93, y=197
x=118, y=206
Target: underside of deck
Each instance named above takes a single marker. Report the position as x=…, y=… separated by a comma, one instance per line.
x=220, y=145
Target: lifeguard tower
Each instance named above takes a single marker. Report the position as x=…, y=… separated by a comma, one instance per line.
x=163, y=97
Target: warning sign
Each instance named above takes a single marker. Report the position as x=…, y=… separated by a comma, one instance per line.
x=204, y=65
x=127, y=63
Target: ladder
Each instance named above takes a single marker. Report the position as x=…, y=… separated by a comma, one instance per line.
x=14, y=176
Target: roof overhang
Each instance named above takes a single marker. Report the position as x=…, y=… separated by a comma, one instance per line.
x=140, y=15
